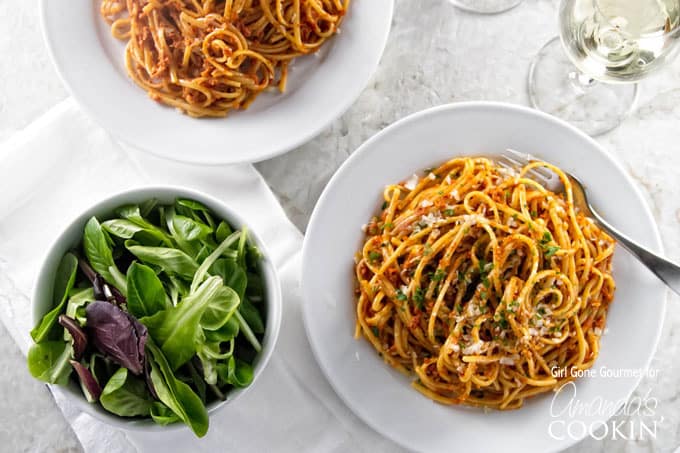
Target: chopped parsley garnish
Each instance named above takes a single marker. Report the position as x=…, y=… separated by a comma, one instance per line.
x=439, y=275
x=375, y=330
x=448, y=212
x=501, y=320
x=401, y=296
x=547, y=237
x=374, y=256
x=418, y=298
x=387, y=225
x=427, y=250
x=385, y=205
x=484, y=269
x=550, y=251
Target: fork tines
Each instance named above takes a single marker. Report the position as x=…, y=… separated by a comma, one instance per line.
x=515, y=160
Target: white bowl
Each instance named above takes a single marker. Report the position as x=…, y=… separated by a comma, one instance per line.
x=382, y=396
x=72, y=236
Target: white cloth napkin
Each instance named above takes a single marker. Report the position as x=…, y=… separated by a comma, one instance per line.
x=62, y=164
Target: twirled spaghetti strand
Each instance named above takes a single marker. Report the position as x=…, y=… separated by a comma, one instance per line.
x=483, y=283
x=208, y=57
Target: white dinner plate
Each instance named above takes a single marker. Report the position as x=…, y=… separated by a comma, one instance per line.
x=381, y=396
x=320, y=88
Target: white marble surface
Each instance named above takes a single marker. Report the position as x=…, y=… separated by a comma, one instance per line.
x=436, y=54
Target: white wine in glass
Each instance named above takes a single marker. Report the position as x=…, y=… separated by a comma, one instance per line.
x=486, y=6
x=588, y=76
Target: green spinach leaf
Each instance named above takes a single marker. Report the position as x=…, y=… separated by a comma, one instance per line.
x=233, y=275
x=196, y=207
x=175, y=394
x=49, y=361
x=161, y=414
x=126, y=395
x=227, y=332
x=235, y=372
x=97, y=249
x=63, y=282
x=134, y=214
x=75, y=307
x=146, y=295
x=172, y=261
x=97, y=246
x=177, y=329
x=127, y=229
x=220, y=308
x=189, y=229
x=202, y=271
x=223, y=231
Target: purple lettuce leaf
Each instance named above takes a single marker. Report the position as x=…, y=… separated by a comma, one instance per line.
x=77, y=333
x=117, y=334
x=87, y=381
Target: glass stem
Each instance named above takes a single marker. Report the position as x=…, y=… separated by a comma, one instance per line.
x=582, y=83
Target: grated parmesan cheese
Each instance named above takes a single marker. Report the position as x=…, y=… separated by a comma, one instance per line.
x=508, y=360
x=412, y=182
x=430, y=219
x=474, y=348
x=473, y=310
x=473, y=219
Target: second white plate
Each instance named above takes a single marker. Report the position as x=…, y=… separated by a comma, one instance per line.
x=382, y=396
x=91, y=64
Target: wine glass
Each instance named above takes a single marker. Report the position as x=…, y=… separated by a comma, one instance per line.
x=486, y=6
x=587, y=76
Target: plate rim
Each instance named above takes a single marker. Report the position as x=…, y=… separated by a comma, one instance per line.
x=277, y=147
x=656, y=241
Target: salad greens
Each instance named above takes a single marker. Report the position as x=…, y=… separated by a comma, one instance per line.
x=158, y=312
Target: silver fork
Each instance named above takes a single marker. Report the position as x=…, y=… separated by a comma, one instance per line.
x=666, y=270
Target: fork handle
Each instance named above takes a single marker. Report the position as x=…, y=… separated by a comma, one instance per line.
x=666, y=270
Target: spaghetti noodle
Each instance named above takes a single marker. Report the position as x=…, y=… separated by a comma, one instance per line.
x=207, y=57
x=487, y=286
